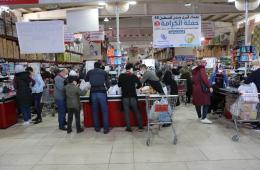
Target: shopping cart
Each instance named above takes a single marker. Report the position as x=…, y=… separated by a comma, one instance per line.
x=48, y=100
x=182, y=89
x=159, y=112
x=245, y=111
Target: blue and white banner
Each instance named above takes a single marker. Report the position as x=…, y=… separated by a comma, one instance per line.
x=176, y=30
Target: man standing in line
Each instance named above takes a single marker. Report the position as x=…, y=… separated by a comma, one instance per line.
x=150, y=78
x=129, y=83
x=59, y=95
x=99, y=82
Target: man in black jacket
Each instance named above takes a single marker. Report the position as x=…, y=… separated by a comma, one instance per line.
x=129, y=83
x=254, y=77
x=99, y=82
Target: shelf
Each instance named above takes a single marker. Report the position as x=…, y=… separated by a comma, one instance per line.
x=9, y=38
x=38, y=61
x=73, y=52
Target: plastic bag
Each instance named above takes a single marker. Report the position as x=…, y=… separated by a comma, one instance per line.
x=235, y=108
x=84, y=85
x=114, y=90
x=249, y=93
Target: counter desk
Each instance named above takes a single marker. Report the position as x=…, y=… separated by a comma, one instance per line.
x=8, y=111
x=115, y=109
x=231, y=94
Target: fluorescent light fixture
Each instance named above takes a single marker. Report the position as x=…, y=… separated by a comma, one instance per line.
x=101, y=3
x=187, y=4
x=110, y=28
x=230, y=1
x=202, y=38
x=100, y=7
x=106, y=20
x=132, y=2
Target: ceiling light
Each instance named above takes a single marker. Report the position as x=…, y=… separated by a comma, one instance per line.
x=132, y=2
x=187, y=4
x=106, y=20
x=100, y=7
x=229, y=1
x=202, y=38
x=110, y=28
x=101, y=3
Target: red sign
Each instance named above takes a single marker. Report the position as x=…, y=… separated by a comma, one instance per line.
x=13, y=2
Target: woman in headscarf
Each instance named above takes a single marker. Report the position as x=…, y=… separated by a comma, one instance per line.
x=201, y=90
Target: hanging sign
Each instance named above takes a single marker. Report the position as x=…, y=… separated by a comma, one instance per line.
x=41, y=37
x=95, y=35
x=13, y=2
x=208, y=29
x=176, y=30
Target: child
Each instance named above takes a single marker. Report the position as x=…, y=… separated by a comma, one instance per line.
x=73, y=94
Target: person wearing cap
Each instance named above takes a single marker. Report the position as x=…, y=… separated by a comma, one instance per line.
x=254, y=77
x=129, y=82
x=99, y=82
x=59, y=96
x=150, y=78
x=73, y=93
x=22, y=84
x=37, y=90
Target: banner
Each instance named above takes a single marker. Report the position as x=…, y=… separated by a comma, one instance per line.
x=95, y=35
x=41, y=37
x=176, y=30
x=13, y=2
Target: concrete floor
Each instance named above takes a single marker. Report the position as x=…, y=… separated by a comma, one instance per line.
x=200, y=147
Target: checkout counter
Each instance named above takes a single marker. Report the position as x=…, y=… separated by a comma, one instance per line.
x=115, y=109
x=8, y=111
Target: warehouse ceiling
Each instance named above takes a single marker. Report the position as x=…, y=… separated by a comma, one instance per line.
x=211, y=10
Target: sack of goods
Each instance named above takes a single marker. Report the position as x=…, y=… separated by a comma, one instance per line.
x=161, y=111
x=248, y=93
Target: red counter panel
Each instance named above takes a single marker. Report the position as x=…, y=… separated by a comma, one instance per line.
x=8, y=114
x=116, y=115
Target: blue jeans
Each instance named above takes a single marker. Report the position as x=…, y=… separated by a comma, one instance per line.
x=99, y=99
x=37, y=104
x=61, y=104
x=26, y=111
x=204, y=109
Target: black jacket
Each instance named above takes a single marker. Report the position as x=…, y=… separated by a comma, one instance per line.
x=254, y=77
x=169, y=81
x=129, y=83
x=22, y=84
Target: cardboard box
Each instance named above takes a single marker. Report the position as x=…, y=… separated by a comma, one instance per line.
x=10, y=49
x=5, y=48
x=1, y=48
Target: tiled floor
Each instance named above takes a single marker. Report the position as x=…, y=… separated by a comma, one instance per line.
x=200, y=147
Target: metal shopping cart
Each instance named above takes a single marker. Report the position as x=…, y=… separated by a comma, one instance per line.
x=159, y=112
x=245, y=111
x=48, y=100
x=182, y=89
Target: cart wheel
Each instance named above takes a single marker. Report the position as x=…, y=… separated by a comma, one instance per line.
x=148, y=142
x=235, y=138
x=175, y=141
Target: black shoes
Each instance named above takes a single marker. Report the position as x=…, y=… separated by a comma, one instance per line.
x=38, y=121
x=128, y=130
x=97, y=130
x=69, y=131
x=63, y=128
x=80, y=130
x=106, y=131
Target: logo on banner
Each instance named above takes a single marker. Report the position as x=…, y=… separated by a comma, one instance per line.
x=157, y=23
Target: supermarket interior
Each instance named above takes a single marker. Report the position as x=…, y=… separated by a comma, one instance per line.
x=129, y=85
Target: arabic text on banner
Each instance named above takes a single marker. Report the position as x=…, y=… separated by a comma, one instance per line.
x=176, y=30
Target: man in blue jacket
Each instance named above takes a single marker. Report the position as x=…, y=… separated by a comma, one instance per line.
x=99, y=82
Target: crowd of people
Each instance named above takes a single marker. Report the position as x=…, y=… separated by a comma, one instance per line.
x=30, y=83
